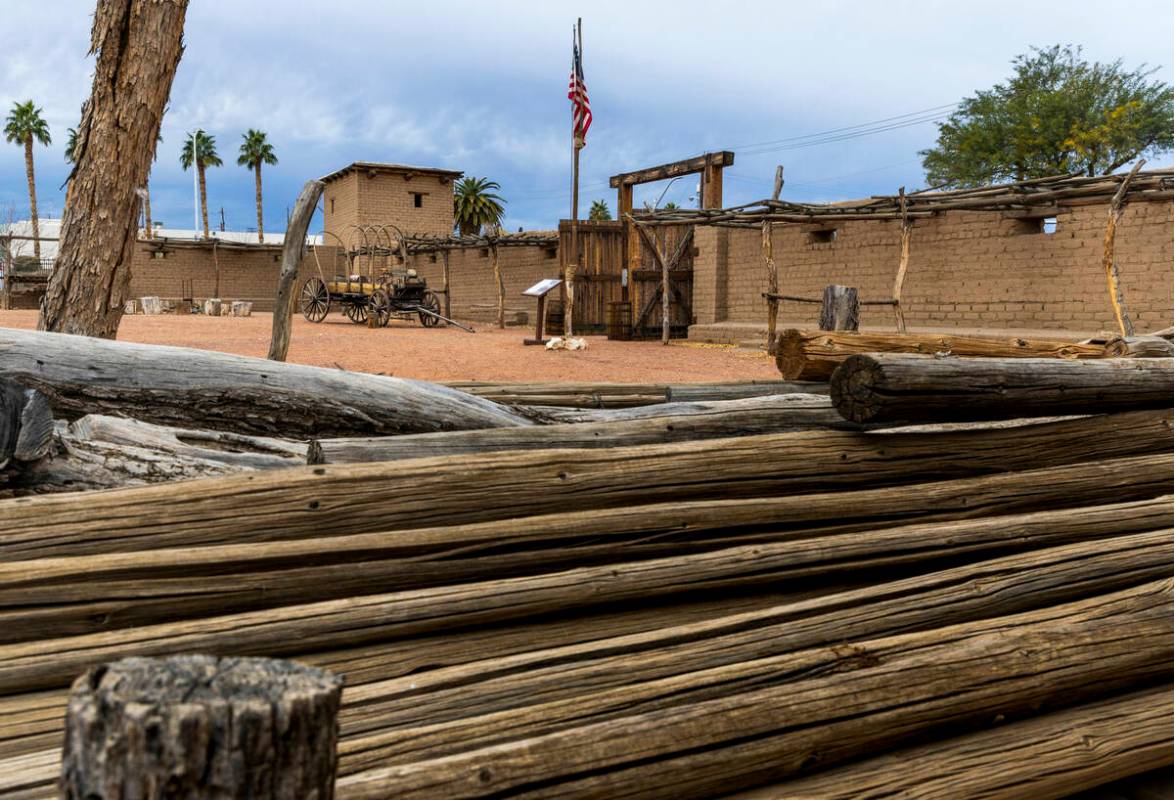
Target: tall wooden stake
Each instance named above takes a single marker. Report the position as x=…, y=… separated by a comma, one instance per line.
x=899, y=283
x=665, y=308
x=498, y=280
x=772, y=285
x=447, y=288
x=291, y=259
x=1109, y=260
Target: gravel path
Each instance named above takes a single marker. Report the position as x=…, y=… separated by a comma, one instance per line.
x=443, y=354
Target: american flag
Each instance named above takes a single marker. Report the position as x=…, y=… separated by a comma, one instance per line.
x=577, y=93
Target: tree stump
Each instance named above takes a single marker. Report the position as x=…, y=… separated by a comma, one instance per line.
x=242, y=308
x=201, y=726
x=212, y=307
x=151, y=305
x=840, y=310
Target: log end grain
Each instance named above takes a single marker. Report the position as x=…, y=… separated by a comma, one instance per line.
x=853, y=388
x=201, y=726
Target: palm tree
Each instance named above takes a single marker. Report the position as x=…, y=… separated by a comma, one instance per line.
x=24, y=125
x=70, y=158
x=255, y=151
x=475, y=205
x=599, y=211
x=200, y=149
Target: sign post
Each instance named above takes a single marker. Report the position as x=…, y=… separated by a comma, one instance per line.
x=540, y=290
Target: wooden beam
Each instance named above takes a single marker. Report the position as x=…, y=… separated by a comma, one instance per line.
x=715, y=161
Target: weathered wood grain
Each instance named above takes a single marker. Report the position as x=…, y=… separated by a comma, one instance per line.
x=814, y=355
x=886, y=387
x=843, y=701
x=1046, y=757
x=191, y=388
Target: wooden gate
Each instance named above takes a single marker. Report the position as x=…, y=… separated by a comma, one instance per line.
x=599, y=279
x=611, y=248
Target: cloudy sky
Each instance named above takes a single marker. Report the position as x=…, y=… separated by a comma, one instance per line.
x=843, y=94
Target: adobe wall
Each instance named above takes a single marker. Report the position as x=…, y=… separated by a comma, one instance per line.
x=966, y=270
x=252, y=275
x=244, y=274
x=471, y=276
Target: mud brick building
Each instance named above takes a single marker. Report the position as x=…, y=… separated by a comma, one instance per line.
x=414, y=199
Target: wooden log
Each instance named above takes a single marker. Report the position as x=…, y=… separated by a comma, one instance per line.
x=1109, y=258
x=202, y=389
x=845, y=702
x=1153, y=346
x=697, y=392
x=291, y=260
x=445, y=711
x=888, y=387
x=1046, y=757
x=241, y=308
x=310, y=501
x=26, y=425
x=73, y=596
x=720, y=419
x=212, y=307
x=903, y=263
x=840, y=310
x=202, y=727
x=783, y=404
x=814, y=355
x=100, y=452
x=772, y=276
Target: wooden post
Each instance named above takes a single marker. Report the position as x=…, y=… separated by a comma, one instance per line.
x=216, y=266
x=899, y=283
x=500, y=282
x=447, y=290
x=665, y=309
x=778, y=183
x=1109, y=261
x=202, y=726
x=291, y=260
x=772, y=282
x=840, y=310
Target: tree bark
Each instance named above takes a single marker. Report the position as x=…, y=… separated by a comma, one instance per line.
x=814, y=355
x=216, y=391
x=260, y=215
x=888, y=388
x=291, y=262
x=200, y=726
x=139, y=43
x=33, y=216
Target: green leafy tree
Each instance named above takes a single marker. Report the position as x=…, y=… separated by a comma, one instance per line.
x=24, y=126
x=670, y=206
x=200, y=149
x=1057, y=114
x=475, y=205
x=599, y=211
x=255, y=150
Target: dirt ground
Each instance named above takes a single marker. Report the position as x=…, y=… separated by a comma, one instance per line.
x=443, y=354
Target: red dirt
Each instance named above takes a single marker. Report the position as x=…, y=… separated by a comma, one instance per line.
x=443, y=354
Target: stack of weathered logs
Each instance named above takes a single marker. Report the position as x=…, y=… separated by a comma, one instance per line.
x=947, y=610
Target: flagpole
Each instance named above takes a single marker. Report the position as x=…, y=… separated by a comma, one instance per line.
x=573, y=257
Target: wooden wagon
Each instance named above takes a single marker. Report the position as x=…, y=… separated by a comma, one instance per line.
x=398, y=293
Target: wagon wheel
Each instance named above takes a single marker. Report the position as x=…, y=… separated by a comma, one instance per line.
x=357, y=312
x=431, y=303
x=315, y=300
x=380, y=307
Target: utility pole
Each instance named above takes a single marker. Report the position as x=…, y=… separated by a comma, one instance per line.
x=222, y=219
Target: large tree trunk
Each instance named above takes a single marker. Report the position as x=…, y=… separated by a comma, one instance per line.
x=203, y=195
x=139, y=43
x=260, y=218
x=28, y=169
x=204, y=389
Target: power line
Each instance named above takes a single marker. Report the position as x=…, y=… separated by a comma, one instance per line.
x=934, y=110
x=845, y=136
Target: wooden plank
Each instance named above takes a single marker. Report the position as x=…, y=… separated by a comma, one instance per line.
x=688, y=166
